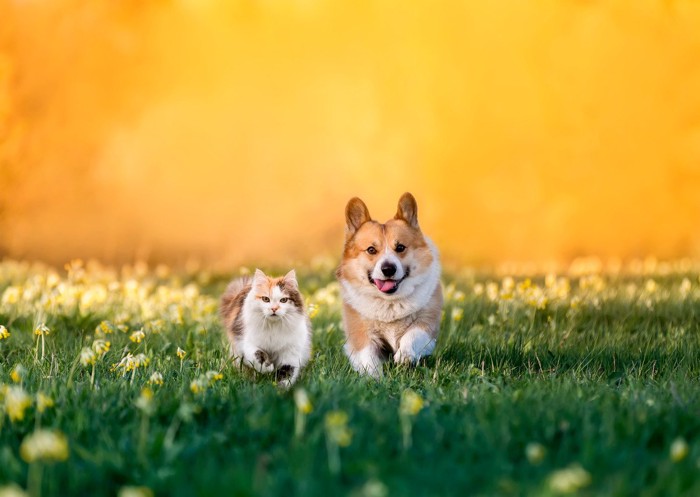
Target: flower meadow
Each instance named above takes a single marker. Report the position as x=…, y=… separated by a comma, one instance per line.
x=562, y=380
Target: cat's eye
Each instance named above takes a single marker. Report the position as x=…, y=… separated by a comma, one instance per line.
x=284, y=299
x=265, y=299
x=371, y=250
x=400, y=247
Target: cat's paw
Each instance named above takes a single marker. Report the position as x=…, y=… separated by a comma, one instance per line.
x=285, y=376
x=262, y=362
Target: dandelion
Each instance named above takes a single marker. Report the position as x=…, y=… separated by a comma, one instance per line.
x=569, y=480
x=137, y=336
x=156, y=379
x=4, y=334
x=411, y=405
x=337, y=435
x=44, y=446
x=17, y=401
x=135, y=492
x=18, y=373
x=679, y=450
x=535, y=453
x=303, y=407
x=43, y=402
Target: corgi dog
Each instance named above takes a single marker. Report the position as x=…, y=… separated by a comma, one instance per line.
x=390, y=284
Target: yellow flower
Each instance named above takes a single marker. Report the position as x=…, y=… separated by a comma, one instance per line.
x=135, y=492
x=43, y=402
x=679, y=449
x=4, y=333
x=180, y=353
x=87, y=356
x=12, y=491
x=313, y=311
x=104, y=328
x=44, y=445
x=156, y=379
x=131, y=362
x=42, y=329
x=411, y=403
x=199, y=385
x=101, y=347
x=535, y=453
x=301, y=399
x=569, y=480
x=336, y=424
x=145, y=401
x=214, y=376
x=16, y=402
x=137, y=336
x=457, y=314
x=17, y=373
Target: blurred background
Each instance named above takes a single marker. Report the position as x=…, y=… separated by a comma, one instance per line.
x=236, y=130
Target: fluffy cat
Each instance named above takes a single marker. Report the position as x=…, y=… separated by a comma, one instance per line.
x=267, y=326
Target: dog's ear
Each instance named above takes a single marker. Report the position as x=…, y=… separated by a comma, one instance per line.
x=356, y=214
x=408, y=210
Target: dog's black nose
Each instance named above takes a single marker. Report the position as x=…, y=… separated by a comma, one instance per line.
x=388, y=269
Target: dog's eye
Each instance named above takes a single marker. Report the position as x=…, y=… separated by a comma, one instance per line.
x=265, y=299
x=400, y=248
x=371, y=250
x=284, y=299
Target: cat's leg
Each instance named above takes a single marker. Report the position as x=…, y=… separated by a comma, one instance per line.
x=287, y=375
x=257, y=359
x=413, y=345
x=289, y=364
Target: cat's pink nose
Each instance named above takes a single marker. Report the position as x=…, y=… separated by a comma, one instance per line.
x=274, y=308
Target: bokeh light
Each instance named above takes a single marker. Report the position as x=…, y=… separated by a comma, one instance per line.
x=235, y=130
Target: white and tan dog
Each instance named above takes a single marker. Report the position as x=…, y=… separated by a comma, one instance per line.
x=390, y=284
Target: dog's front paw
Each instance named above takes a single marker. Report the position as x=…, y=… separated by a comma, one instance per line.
x=415, y=344
x=405, y=357
x=263, y=363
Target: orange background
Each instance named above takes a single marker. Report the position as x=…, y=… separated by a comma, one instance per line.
x=237, y=130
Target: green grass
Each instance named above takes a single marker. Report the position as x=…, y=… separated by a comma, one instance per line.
x=604, y=376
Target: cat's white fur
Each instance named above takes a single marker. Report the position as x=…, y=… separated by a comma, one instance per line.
x=279, y=329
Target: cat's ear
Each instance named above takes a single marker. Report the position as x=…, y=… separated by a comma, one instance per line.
x=408, y=210
x=291, y=279
x=356, y=214
x=259, y=276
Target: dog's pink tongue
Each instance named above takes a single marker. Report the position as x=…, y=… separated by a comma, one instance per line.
x=385, y=285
